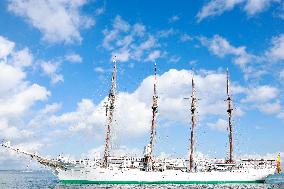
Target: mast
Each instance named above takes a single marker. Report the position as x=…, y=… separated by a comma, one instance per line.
x=109, y=113
x=149, y=157
x=193, y=124
x=229, y=110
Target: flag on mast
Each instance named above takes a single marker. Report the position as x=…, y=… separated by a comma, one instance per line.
x=278, y=161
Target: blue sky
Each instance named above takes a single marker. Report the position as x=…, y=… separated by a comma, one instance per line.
x=55, y=69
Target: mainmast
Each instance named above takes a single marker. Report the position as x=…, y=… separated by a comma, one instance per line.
x=149, y=157
x=229, y=110
x=193, y=124
x=109, y=113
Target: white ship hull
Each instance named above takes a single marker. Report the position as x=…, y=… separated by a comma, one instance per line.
x=135, y=176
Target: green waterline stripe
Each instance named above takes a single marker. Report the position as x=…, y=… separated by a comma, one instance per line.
x=157, y=182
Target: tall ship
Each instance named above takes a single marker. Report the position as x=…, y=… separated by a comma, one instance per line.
x=149, y=169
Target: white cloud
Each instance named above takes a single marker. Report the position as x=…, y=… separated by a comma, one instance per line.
x=281, y=74
x=85, y=117
x=22, y=58
x=280, y=115
x=51, y=69
x=153, y=55
x=139, y=29
x=238, y=112
x=23, y=100
x=280, y=13
x=100, y=11
x=126, y=151
x=30, y=146
x=6, y=47
x=174, y=85
x=174, y=59
x=11, y=132
x=122, y=55
x=120, y=151
x=220, y=125
x=14, y=75
x=270, y=108
x=120, y=24
x=261, y=94
x=218, y=7
x=185, y=37
x=264, y=98
x=174, y=18
x=166, y=33
x=89, y=117
x=99, y=70
x=255, y=6
x=129, y=41
x=128, y=120
x=18, y=58
x=276, y=51
x=149, y=43
x=41, y=118
x=17, y=96
x=96, y=153
x=125, y=42
x=74, y=58
x=58, y=20
x=220, y=47
x=253, y=65
x=192, y=62
x=109, y=37
x=51, y=108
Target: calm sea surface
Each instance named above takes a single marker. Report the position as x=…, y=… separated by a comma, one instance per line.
x=44, y=179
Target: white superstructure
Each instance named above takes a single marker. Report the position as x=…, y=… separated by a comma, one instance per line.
x=133, y=170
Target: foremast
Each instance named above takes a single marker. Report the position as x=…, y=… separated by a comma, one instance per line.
x=110, y=106
x=193, y=124
x=229, y=111
x=149, y=155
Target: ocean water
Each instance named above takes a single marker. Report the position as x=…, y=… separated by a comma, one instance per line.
x=45, y=179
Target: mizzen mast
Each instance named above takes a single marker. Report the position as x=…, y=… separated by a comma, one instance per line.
x=229, y=111
x=193, y=124
x=110, y=106
x=149, y=157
